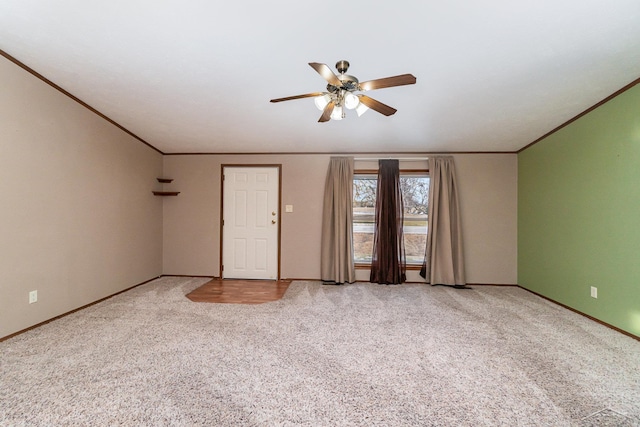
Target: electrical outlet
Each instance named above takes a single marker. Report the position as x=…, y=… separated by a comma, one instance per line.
x=594, y=292
x=33, y=297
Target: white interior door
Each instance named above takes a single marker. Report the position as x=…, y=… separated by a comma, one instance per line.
x=250, y=222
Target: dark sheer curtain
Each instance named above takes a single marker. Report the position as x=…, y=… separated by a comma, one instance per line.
x=388, y=263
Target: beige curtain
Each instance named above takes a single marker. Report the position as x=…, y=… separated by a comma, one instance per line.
x=337, y=264
x=444, y=262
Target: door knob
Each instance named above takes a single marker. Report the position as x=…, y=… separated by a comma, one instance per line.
x=273, y=213
x=273, y=221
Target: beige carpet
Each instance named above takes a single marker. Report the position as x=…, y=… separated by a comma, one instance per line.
x=355, y=355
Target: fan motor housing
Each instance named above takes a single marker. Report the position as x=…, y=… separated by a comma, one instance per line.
x=349, y=83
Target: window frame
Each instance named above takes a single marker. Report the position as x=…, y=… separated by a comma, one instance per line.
x=364, y=265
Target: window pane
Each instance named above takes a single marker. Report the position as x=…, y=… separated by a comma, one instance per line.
x=415, y=194
x=364, y=203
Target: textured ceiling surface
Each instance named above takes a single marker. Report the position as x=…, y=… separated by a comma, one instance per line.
x=197, y=76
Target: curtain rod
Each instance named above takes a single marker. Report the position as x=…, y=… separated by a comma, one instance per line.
x=390, y=158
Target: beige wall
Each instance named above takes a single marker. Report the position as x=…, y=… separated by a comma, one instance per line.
x=488, y=185
x=488, y=189
x=192, y=219
x=78, y=221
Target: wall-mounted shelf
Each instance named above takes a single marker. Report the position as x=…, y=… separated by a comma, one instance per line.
x=165, y=193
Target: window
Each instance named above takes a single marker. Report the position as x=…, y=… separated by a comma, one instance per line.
x=415, y=194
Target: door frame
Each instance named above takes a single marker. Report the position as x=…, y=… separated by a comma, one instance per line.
x=253, y=165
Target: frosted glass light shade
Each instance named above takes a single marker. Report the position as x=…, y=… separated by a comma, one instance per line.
x=337, y=113
x=361, y=109
x=351, y=101
x=322, y=101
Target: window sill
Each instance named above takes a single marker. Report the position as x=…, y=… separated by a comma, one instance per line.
x=363, y=266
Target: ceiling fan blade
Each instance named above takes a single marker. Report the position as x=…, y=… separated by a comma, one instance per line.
x=401, y=80
x=326, y=73
x=306, y=95
x=377, y=105
x=326, y=114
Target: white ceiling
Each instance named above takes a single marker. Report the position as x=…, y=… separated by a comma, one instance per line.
x=197, y=75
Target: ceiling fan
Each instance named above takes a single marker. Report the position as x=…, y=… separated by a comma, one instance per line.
x=340, y=92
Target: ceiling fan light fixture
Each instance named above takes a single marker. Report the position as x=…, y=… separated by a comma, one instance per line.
x=339, y=94
x=351, y=101
x=322, y=101
x=337, y=113
x=361, y=108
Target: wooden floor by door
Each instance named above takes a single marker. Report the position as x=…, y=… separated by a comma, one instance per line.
x=240, y=291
